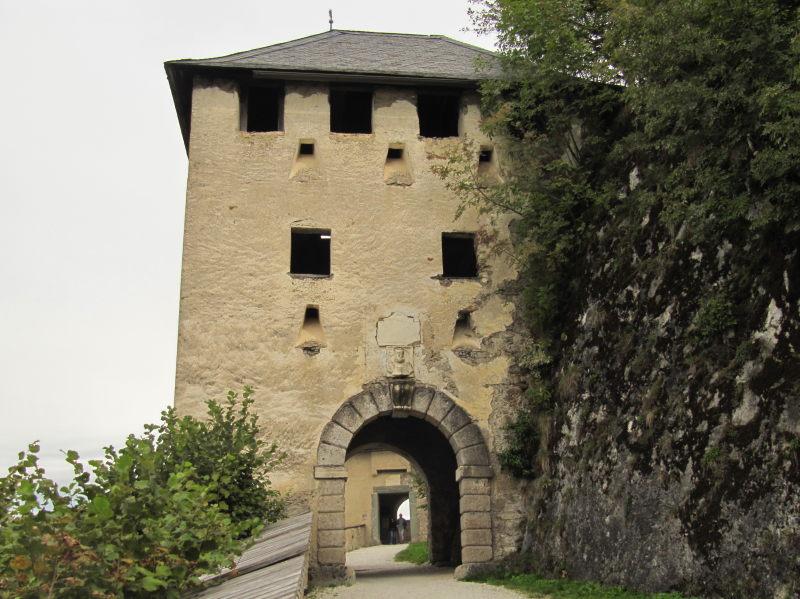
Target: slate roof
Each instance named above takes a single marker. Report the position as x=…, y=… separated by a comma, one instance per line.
x=363, y=52
x=340, y=55
x=274, y=567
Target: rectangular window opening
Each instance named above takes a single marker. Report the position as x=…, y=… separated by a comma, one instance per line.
x=458, y=255
x=306, y=149
x=311, y=252
x=485, y=155
x=262, y=108
x=351, y=111
x=438, y=114
x=394, y=154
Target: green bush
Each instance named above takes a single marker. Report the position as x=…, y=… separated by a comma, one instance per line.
x=144, y=522
x=227, y=454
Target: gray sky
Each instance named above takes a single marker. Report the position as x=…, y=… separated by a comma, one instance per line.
x=92, y=183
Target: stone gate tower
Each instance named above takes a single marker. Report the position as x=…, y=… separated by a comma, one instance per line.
x=323, y=265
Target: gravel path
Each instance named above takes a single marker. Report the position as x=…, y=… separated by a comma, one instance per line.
x=378, y=576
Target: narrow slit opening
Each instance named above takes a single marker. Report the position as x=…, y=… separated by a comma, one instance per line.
x=312, y=335
x=463, y=332
x=397, y=170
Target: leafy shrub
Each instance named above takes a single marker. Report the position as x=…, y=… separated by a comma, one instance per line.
x=145, y=522
x=712, y=319
x=227, y=454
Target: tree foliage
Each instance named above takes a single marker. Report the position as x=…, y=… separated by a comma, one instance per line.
x=144, y=521
x=684, y=114
x=686, y=109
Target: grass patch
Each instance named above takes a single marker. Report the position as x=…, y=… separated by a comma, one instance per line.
x=416, y=553
x=532, y=585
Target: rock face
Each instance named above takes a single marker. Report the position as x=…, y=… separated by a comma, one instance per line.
x=674, y=457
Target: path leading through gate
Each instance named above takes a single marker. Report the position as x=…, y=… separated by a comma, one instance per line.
x=378, y=576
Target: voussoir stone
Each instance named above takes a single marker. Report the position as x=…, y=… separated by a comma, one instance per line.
x=382, y=398
x=365, y=405
x=335, y=434
x=347, y=417
x=422, y=400
x=466, y=437
x=477, y=455
x=455, y=420
x=440, y=406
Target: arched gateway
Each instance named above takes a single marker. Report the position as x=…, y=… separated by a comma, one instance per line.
x=427, y=426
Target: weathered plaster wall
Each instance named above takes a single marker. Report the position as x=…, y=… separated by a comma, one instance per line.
x=241, y=311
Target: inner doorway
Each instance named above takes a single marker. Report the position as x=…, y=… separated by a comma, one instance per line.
x=423, y=444
x=378, y=483
x=388, y=509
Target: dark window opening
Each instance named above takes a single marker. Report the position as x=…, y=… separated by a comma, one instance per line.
x=306, y=149
x=311, y=253
x=394, y=154
x=485, y=156
x=458, y=255
x=263, y=107
x=438, y=115
x=351, y=111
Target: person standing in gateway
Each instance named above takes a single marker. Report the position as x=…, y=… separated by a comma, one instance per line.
x=402, y=526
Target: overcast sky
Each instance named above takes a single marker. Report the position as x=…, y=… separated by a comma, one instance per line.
x=92, y=185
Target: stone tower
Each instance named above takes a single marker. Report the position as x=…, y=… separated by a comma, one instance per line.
x=323, y=265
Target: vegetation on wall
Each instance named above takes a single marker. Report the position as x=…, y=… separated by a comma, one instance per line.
x=649, y=153
x=148, y=519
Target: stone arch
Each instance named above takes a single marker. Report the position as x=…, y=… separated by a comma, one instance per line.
x=473, y=472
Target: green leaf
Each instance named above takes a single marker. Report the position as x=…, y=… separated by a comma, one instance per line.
x=101, y=508
x=152, y=584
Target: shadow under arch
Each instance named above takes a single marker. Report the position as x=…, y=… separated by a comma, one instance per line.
x=437, y=434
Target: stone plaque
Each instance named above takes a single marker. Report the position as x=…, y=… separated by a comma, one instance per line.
x=398, y=329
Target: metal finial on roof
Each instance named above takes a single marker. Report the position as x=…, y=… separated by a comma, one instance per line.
x=330, y=19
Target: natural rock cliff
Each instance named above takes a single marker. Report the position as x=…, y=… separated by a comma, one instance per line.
x=669, y=457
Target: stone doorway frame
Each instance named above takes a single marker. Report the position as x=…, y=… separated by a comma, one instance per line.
x=375, y=510
x=473, y=473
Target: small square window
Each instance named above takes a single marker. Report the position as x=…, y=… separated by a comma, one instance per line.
x=262, y=108
x=351, y=111
x=458, y=255
x=311, y=252
x=438, y=114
